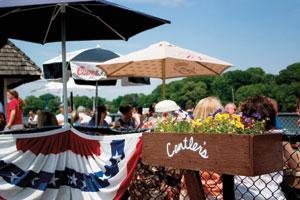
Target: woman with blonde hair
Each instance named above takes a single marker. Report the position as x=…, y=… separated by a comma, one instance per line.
x=207, y=106
x=211, y=181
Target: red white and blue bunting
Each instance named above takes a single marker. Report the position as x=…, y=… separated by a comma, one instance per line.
x=67, y=164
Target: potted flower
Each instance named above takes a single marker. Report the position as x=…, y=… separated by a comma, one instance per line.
x=224, y=143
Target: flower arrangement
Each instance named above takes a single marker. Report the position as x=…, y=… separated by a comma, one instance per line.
x=217, y=123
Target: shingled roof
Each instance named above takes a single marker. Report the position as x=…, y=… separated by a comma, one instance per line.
x=15, y=66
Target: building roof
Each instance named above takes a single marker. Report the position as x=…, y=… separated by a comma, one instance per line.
x=15, y=66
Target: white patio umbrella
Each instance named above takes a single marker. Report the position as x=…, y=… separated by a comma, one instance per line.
x=57, y=88
x=164, y=60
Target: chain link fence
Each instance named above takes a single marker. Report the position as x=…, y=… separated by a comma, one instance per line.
x=151, y=182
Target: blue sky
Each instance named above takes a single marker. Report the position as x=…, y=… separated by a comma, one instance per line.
x=247, y=33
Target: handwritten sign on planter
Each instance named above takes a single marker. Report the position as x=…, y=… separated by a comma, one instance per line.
x=248, y=155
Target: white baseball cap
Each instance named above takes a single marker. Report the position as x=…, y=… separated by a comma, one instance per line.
x=166, y=106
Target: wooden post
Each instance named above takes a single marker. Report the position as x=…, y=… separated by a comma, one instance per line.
x=163, y=79
x=194, y=185
x=228, y=187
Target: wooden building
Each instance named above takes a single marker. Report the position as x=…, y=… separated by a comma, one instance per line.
x=16, y=68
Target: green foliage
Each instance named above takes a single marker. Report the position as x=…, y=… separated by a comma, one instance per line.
x=285, y=88
x=53, y=104
x=221, y=88
x=83, y=101
x=244, y=92
x=132, y=99
x=33, y=103
x=289, y=75
x=286, y=95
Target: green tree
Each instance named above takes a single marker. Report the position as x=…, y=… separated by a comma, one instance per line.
x=289, y=75
x=132, y=99
x=49, y=97
x=222, y=88
x=83, y=101
x=246, y=91
x=53, y=104
x=286, y=95
x=33, y=103
x=189, y=93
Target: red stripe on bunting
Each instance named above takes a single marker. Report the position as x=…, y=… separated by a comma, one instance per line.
x=130, y=169
x=58, y=143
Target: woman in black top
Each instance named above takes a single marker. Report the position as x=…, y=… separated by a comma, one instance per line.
x=126, y=120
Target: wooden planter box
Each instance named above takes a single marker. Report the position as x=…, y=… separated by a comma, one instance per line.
x=247, y=155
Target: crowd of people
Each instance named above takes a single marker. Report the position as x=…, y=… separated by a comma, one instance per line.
x=134, y=118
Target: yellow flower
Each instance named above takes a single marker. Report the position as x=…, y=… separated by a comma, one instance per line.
x=240, y=125
x=196, y=123
x=208, y=119
x=218, y=117
x=236, y=117
x=225, y=116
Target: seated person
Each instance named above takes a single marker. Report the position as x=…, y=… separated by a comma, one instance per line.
x=230, y=108
x=32, y=119
x=60, y=116
x=255, y=186
x=126, y=120
x=75, y=118
x=211, y=181
x=84, y=119
x=101, y=115
x=45, y=119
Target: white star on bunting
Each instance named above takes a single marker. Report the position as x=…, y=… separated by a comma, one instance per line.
x=53, y=180
x=33, y=180
x=117, y=157
x=13, y=177
x=72, y=179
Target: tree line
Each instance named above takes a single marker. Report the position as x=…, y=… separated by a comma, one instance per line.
x=232, y=86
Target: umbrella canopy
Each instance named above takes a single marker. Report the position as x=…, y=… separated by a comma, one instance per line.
x=57, y=88
x=82, y=55
x=41, y=21
x=164, y=60
x=86, y=20
x=83, y=61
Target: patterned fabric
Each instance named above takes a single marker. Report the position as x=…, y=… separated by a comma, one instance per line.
x=67, y=164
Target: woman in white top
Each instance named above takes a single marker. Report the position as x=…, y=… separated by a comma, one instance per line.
x=266, y=186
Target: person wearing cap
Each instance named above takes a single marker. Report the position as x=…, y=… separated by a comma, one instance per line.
x=165, y=108
x=170, y=107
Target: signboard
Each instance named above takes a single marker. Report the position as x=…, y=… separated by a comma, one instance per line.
x=248, y=155
x=87, y=71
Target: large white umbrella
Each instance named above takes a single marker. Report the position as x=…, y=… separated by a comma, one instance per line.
x=57, y=88
x=164, y=60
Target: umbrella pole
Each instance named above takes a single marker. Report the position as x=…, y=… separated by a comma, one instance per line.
x=64, y=69
x=164, y=88
x=164, y=79
x=96, y=110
